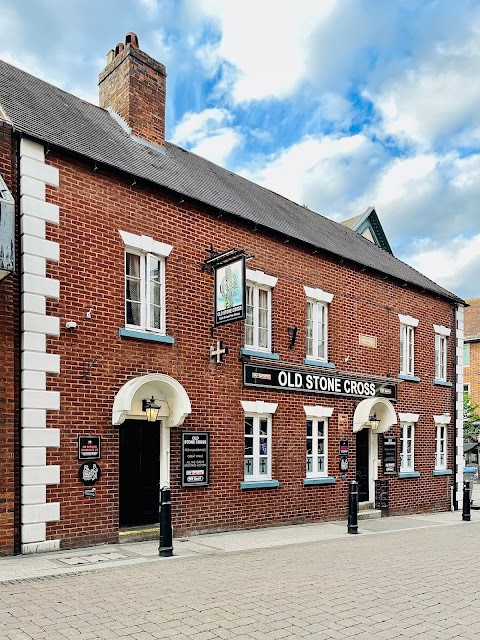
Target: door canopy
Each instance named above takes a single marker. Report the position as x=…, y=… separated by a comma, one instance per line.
x=168, y=393
x=383, y=409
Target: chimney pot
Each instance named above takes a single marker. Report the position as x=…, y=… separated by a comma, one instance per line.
x=119, y=48
x=132, y=39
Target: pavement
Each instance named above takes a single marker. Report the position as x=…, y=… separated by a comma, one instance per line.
x=62, y=562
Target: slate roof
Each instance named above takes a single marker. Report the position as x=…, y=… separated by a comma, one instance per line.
x=472, y=319
x=46, y=113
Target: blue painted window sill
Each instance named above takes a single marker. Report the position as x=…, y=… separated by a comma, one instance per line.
x=259, y=354
x=442, y=472
x=318, y=363
x=260, y=484
x=327, y=480
x=402, y=376
x=409, y=474
x=442, y=383
x=142, y=335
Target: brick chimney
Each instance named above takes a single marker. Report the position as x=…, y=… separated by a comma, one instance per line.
x=134, y=85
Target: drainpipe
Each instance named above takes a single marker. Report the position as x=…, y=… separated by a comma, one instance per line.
x=17, y=536
x=454, y=412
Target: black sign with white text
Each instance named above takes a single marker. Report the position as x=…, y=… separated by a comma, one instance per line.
x=195, y=458
x=88, y=447
x=389, y=455
x=274, y=377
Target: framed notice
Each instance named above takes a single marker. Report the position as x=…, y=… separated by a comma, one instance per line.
x=195, y=458
x=230, y=291
x=389, y=455
x=89, y=447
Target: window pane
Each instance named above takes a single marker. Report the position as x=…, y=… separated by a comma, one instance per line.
x=155, y=293
x=321, y=464
x=263, y=466
x=133, y=289
x=248, y=467
x=249, y=425
x=309, y=464
x=134, y=313
x=309, y=428
x=263, y=451
x=154, y=269
x=263, y=427
x=155, y=317
x=248, y=446
x=309, y=446
x=132, y=265
x=321, y=426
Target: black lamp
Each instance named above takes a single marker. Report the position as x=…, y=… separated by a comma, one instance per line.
x=151, y=408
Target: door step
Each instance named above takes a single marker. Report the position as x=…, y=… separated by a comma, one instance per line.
x=139, y=534
x=367, y=511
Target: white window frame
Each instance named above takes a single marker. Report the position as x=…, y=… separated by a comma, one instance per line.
x=466, y=387
x=317, y=415
x=441, y=335
x=407, y=465
x=259, y=281
x=466, y=354
x=407, y=344
x=146, y=248
x=441, y=441
x=258, y=411
x=319, y=300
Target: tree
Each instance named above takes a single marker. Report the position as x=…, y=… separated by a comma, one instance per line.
x=471, y=419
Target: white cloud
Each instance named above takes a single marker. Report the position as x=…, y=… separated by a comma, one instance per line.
x=207, y=134
x=150, y=6
x=265, y=42
x=322, y=173
x=437, y=97
x=454, y=265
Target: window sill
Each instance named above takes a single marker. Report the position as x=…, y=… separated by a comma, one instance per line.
x=409, y=474
x=319, y=363
x=326, y=480
x=260, y=484
x=442, y=383
x=143, y=335
x=402, y=376
x=259, y=354
x=442, y=472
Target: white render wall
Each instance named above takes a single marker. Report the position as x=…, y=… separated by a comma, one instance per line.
x=458, y=497
x=36, y=400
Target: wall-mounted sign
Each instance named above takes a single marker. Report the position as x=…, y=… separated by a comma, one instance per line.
x=90, y=492
x=195, y=458
x=343, y=447
x=367, y=341
x=274, y=377
x=343, y=464
x=88, y=447
x=89, y=472
x=343, y=419
x=230, y=291
x=389, y=455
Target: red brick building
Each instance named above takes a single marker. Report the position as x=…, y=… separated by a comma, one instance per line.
x=472, y=350
x=132, y=253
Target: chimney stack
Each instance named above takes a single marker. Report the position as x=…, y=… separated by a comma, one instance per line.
x=134, y=85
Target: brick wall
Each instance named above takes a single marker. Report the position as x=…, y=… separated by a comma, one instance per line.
x=8, y=373
x=472, y=372
x=94, y=207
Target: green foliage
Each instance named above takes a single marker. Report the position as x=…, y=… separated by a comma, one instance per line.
x=470, y=417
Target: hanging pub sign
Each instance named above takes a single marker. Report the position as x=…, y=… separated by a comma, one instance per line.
x=230, y=291
x=274, y=377
x=195, y=458
x=389, y=455
x=88, y=447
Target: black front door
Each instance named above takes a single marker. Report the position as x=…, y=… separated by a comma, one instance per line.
x=362, y=465
x=139, y=472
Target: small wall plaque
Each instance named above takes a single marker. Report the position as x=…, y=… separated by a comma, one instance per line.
x=367, y=341
x=343, y=419
x=88, y=447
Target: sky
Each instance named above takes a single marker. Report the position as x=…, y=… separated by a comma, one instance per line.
x=338, y=105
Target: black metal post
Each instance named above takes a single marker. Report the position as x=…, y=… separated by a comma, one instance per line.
x=353, y=507
x=165, y=550
x=466, y=502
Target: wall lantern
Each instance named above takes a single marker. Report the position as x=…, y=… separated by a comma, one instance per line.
x=373, y=421
x=151, y=408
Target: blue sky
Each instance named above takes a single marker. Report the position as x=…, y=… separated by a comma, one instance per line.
x=336, y=104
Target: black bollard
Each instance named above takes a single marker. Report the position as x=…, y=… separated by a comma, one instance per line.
x=165, y=550
x=353, y=507
x=466, y=502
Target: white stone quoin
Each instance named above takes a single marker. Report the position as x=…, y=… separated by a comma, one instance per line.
x=36, y=399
